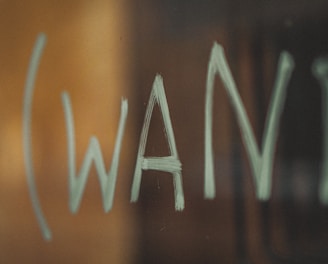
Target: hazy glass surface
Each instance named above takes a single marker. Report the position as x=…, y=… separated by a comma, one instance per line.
x=163, y=131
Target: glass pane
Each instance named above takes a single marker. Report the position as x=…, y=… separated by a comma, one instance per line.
x=163, y=131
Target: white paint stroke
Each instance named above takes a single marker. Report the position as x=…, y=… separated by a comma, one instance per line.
x=107, y=180
x=261, y=163
x=320, y=71
x=169, y=164
x=27, y=133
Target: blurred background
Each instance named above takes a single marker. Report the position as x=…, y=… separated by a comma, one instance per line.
x=100, y=51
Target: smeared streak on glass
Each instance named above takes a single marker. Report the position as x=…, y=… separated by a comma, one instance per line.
x=261, y=163
x=169, y=164
x=27, y=133
x=107, y=180
x=320, y=70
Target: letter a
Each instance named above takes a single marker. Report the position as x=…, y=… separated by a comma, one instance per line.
x=169, y=164
x=261, y=162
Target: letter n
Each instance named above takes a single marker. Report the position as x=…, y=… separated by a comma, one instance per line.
x=260, y=162
x=170, y=163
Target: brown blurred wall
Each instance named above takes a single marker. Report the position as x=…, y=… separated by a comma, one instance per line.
x=86, y=55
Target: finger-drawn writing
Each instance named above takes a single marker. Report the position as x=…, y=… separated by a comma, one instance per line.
x=261, y=162
x=169, y=164
x=260, y=159
x=320, y=70
x=107, y=180
x=27, y=134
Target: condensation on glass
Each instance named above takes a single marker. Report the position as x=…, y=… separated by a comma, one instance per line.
x=163, y=131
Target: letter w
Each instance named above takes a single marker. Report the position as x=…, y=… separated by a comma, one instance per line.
x=261, y=163
x=107, y=180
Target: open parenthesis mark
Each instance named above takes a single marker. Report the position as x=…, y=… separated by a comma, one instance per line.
x=27, y=134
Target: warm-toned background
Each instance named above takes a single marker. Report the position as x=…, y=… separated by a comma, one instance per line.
x=100, y=51
x=87, y=53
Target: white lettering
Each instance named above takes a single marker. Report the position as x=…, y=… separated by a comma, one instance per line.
x=261, y=163
x=27, y=133
x=320, y=70
x=169, y=164
x=107, y=180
